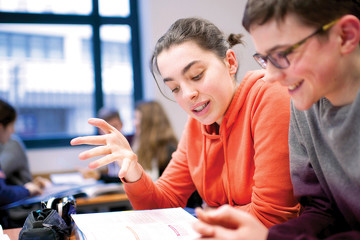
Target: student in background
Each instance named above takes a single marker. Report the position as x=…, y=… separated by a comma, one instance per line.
x=154, y=139
x=11, y=193
x=312, y=49
x=14, y=161
x=234, y=149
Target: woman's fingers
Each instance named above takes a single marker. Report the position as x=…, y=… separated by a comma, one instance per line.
x=89, y=140
x=95, y=152
x=102, y=124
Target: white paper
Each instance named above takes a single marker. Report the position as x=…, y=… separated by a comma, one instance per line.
x=2, y=235
x=70, y=178
x=159, y=224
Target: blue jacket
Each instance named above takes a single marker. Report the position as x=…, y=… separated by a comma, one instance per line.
x=11, y=193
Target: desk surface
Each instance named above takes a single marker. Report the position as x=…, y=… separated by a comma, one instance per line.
x=103, y=203
x=102, y=199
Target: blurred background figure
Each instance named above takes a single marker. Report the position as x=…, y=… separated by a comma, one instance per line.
x=19, y=173
x=154, y=139
x=14, y=161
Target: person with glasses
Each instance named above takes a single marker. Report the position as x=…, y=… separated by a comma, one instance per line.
x=234, y=148
x=312, y=49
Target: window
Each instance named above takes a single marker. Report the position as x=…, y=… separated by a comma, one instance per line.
x=62, y=60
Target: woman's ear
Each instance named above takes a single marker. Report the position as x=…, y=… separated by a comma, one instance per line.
x=350, y=33
x=231, y=61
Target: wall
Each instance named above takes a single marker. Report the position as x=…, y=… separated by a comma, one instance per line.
x=155, y=18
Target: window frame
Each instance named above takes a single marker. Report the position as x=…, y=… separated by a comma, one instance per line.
x=95, y=20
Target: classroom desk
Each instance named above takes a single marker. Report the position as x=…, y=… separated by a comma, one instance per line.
x=103, y=203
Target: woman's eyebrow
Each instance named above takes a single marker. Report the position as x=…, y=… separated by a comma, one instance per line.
x=184, y=71
x=187, y=67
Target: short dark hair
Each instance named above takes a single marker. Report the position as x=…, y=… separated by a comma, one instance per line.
x=108, y=113
x=310, y=12
x=7, y=113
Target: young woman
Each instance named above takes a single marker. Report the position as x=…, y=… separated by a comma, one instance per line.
x=234, y=149
x=312, y=49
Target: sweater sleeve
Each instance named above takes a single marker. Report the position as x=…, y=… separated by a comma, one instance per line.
x=272, y=200
x=10, y=193
x=172, y=189
x=320, y=218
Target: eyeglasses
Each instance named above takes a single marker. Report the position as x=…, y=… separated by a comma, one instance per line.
x=279, y=59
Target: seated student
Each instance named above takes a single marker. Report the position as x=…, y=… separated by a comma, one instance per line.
x=234, y=149
x=14, y=161
x=12, y=193
x=312, y=48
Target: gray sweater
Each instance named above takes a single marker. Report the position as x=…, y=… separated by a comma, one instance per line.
x=14, y=162
x=325, y=171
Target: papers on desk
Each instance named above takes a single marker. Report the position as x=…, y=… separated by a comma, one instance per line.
x=104, y=188
x=166, y=224
x=70, y=178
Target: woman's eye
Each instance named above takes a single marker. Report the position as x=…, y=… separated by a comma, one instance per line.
x=175, y=90
x=197, y=77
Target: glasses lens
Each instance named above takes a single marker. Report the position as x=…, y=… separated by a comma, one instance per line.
x=261, y=60
x=279, y=60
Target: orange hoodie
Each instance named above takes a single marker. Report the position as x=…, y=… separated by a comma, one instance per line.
x=245, y=163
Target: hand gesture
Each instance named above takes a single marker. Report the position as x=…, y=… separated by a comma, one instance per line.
x=112, y=146
x=228, y=222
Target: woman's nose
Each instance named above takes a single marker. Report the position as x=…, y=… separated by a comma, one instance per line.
x=189, y=91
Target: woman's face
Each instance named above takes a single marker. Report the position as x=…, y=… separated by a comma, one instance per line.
x=6, y=132
x=202, y=84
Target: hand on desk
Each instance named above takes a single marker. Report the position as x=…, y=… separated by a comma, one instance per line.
x=42, y=182
x=90, y=173
x=33, y=189
x=113, y=146
x=37, y=186
x=228, y=222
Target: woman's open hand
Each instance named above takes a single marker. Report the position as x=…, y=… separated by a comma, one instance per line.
x=112, y=146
